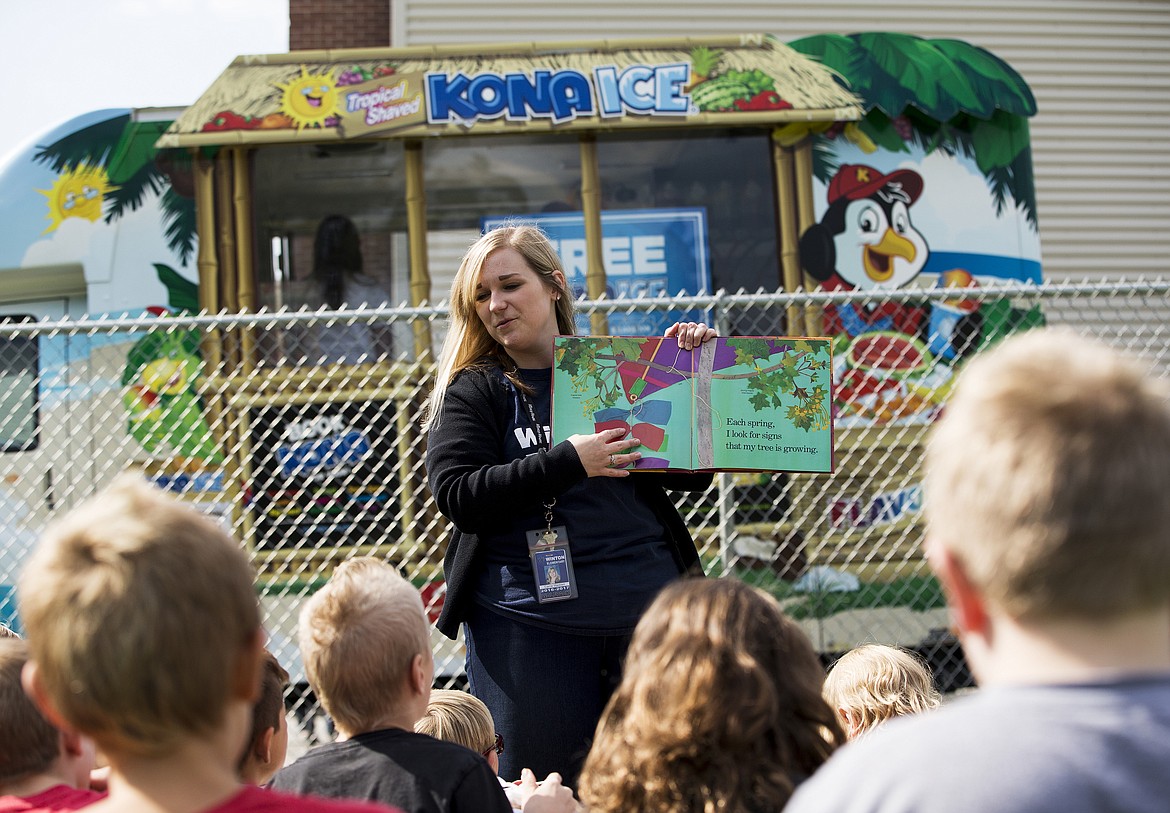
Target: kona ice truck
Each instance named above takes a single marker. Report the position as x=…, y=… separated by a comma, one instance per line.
x=876, y=163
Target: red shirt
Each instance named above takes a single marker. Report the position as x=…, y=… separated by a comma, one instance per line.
x=58, y=797
x=248, y=800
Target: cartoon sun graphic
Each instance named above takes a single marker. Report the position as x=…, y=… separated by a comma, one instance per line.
x=77, y=192
x=309, y=99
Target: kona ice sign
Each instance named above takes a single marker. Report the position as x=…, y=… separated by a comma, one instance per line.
x=398, y=100
x=559, y=96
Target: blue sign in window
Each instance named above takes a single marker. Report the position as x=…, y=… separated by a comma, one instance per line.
x=645, y=252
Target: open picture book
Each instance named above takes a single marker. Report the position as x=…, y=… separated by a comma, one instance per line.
x=748, y=403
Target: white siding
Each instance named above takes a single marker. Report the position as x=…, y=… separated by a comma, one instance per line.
x=1100, y=72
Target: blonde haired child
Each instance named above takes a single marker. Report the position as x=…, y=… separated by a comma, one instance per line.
x=1045, y=485
x=874, y=682
x=463, y=718
x=144, y=634
x=366, y=645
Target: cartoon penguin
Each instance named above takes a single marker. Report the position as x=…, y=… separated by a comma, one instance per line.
x=866, y=241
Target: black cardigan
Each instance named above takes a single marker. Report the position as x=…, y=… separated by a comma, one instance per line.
x=471, y=485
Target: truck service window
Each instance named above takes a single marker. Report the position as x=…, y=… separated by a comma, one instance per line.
x=325, y=206
x=468, y=179
x=727, y=172
x=19, y=396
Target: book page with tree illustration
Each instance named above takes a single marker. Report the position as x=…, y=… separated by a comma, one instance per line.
x=769, y=401
x=733, y=403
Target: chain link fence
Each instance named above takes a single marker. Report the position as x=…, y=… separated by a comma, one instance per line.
x=300, y=433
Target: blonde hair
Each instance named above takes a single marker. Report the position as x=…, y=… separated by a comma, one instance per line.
x=874, y=683
x=358, y=637
x=138, y=608
x=468, y=341
x=719, y=708
x=29, y=744
x=458, y=717
x=1047, y=477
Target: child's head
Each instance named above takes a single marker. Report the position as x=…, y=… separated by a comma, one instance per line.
x=1046, y=479
x=720, y=704
x=463, y=718
x=29, y=744
x=268, y=742
x=366, y=645
x=143, y=622
x=873, y=683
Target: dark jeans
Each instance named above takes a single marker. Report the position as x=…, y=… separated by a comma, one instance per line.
x=546, y=690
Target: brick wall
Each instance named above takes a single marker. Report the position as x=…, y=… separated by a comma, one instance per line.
x=315, y=24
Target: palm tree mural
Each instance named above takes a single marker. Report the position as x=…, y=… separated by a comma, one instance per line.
x=125, y=150
x=939, y=94
x=165, y=412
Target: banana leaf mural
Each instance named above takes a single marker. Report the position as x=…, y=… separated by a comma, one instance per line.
x=933, y=187
x=937, y=94
x=117, y=160
x=122, y=150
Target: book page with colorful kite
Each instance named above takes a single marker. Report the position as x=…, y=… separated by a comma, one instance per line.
x=734, y=403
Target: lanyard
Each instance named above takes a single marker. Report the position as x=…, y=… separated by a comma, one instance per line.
x=538, y=427
x=545, y=442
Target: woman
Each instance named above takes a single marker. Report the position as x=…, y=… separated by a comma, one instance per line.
x=340, y=282
x=545, y=670
x=720, y=708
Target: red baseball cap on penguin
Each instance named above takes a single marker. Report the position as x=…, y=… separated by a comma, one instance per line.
x=857, y=181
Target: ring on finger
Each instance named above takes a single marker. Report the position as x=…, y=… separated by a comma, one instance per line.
x=612, y=461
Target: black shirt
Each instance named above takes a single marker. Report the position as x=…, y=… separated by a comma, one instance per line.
x=482, y=489
x=414, y=772
x=618, y=546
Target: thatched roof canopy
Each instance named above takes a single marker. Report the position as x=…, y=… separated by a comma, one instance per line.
x=492, y=89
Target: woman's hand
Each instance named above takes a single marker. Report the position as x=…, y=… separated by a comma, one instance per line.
x=690, y=334
x=607, y=453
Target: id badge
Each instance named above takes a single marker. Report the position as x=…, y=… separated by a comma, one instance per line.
x=552, y=564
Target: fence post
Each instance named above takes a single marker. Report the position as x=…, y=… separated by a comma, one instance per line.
x=725, y=482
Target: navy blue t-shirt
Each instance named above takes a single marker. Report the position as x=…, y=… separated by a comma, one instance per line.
x=618, y=546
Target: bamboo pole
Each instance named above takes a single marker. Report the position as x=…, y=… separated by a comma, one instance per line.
x=225, y=239
x=806, y=217
x=405, y=425
x=210, y=301
x=245, y=273
x=591, y=206
x=420, y=292
x=784, y=167
x=416, y=231
x=240, y=472
x=208, y=261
